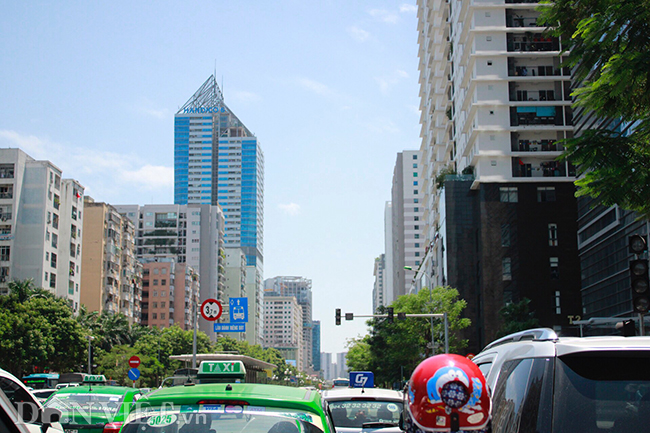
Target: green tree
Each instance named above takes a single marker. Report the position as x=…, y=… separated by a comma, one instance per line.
x=392, y=350
x=516, y=316
x=38, y=329
x=607, y=42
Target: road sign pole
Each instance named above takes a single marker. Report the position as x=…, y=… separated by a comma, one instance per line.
x=196, y=321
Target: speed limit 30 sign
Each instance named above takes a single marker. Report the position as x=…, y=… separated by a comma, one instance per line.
x=211, y=309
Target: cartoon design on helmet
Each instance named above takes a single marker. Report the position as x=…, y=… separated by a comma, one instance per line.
x=447, y=392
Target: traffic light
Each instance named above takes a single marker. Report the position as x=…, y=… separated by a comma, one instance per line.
x=637, y=244
x=640, y=285
x=338, y=316
x=390, y=314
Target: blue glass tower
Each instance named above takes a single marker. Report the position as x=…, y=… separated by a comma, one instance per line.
x=217, y=160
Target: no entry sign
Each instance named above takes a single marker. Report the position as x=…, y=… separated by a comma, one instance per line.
x=134, y=362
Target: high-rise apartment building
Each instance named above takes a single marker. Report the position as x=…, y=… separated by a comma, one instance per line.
x=186, y=234
x=300, y=288
x=389, y=292
x=283, y=326
x=500, y=212
x=407, y=248
x=236, y=286
x=40, y=225
x=315, y=347
x=170, y=294
x=378, y=290
x=111, y=280
x=218, y=161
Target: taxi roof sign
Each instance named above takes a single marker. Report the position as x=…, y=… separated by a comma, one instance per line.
x=94, y=378
x=222, y=369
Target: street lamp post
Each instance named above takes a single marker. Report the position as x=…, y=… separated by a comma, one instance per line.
x=90, y=338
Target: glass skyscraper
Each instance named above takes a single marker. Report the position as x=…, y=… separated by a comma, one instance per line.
x=218, y=160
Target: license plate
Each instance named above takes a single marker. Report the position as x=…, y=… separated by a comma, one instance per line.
x=69, y=430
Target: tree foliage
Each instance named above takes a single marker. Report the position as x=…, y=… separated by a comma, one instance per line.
x=516, y=316
x=392, y=350
x=37, y=329
x=607, y=42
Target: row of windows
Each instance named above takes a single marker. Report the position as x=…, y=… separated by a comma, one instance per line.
x=510, y=194
x=506, y=268
x=552, y=235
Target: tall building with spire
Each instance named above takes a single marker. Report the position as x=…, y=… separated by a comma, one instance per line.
x=218, y=161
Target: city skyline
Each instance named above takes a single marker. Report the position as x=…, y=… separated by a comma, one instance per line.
x=329, y=90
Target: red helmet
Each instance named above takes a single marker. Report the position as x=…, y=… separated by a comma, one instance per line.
x=447, y=392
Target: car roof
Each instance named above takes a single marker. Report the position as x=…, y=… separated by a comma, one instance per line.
x=97, y=389
x=253, y=393
x=346, y=393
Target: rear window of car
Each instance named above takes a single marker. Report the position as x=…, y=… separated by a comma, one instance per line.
x=106, y=403
x=357, y=413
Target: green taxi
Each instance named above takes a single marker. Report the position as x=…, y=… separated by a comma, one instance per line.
x=219, y=401
x=93, y=407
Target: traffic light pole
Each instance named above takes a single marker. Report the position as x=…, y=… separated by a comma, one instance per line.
x=351, y=316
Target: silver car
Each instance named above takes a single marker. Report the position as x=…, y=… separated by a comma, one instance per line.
x=365, y=409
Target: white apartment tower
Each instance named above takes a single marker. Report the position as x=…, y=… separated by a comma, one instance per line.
x=378, y=291
x=494, y=102
x=40, y=225
x=283, y=327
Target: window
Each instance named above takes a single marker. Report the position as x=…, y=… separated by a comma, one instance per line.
x=489, y=62
x=505, y=235
x=162, y=293
x=506, y=267
x=415, y=157
x=509, y=194
x=53, y=260
x=53, y=280
x=552, y=235
x=417, y=245
x=417, y=227
x=415, y=183
x=555, y=268
x=163, y=282
x=416, y=218
x=558, y=309
x=55, y=240
x=164, y=271
x=154, y=315
x=155, y=292
x=415, y=200
x=415, y=165
x=155, y=305
x=416, y=209
x=155, y=282
x=415, y=191
x=162, y=315
x=5, y=253
x=156, y=271
x=162, y=304
x=545, y=193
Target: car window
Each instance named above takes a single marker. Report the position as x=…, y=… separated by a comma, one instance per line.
x=22, y=400
x=509, y=395
x=602, y=392
x=222, y=419
x=356, y=413
x=85, y=403
x=485, y=368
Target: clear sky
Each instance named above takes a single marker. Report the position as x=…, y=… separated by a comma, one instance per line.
x=330, y=89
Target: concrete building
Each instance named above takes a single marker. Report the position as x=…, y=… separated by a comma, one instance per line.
x=218, y=161
x=111, y=280
x=40, y=225
x=389, y=272
x=186, y=234
x=327, y=366
x=170, y=294
x=300, y=288
x=283, y=326
x=315, y=347
x=378, y=290
x=236, y=287
x=407, y=248
x=500, y=212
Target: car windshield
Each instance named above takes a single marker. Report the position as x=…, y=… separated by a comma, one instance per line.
x=602, y=392
x=357, y=413
x=222, y=419
x=84, y=404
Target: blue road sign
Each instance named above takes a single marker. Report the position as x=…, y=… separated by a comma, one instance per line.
x=229, y=327
x=238, y=310
x=134, y=374
x=362, y=379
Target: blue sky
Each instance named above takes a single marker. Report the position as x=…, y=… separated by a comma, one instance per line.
x=330, y=88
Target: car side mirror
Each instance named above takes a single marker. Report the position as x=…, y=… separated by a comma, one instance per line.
x=50, y=416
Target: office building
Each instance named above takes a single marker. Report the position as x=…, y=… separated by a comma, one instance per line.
x=500, y=212
x=389, y=292
x=378, y=290
x=40, y=226
x=184, y=234
x=407, y=248
x=111, y=279
x=219, y=161
x=283, y=326
x=300, y=288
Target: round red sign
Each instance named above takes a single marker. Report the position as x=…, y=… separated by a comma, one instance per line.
x=134, y=361
x=211, y=309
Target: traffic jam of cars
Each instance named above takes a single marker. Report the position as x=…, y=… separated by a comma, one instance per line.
x=529, y=381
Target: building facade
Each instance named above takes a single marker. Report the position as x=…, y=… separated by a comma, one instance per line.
x=111, y=280
x=184, y=234
x=300, y=288
x=500, y=212
x=407, y=249
x=315, y=347
x=219, y=161
x=40, y=226
x=283, y=326
x=378, y=290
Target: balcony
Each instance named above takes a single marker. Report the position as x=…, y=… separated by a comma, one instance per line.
x=532, y=43
x=536, y=146
x=535, y=115
x=528, y=167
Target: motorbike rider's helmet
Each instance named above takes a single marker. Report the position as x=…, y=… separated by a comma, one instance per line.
x=446, y=393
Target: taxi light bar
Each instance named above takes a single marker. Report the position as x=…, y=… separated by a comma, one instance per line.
x=94, y=378
x=222, y=368
x=225, y=402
